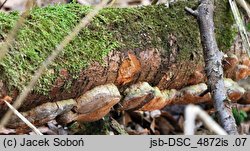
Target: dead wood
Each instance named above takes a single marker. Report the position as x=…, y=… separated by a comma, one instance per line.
x=159, y=54
x=140, y=96
x=167, y=71
x=213, y=65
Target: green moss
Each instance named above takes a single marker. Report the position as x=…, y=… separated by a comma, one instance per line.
x=248, y=27
x=113, y=29
x=100, y=127
x=223, y=25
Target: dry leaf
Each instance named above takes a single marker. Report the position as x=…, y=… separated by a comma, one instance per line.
x=164, y=126
x=66, y=118
x=244, y=128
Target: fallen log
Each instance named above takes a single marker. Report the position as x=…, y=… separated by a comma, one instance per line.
x=154, y=44
x=121, y=46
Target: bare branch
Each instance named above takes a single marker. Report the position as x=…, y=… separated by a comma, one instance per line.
x=191, y=11
x=213, y=66
x=191, y=113
x=3, y=4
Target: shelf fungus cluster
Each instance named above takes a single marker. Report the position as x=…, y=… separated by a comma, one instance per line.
x=236, y=68
x=143, y=97
x=98, y=102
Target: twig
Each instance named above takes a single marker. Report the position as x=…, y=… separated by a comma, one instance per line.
x=191, y=113
x=154, y=2
x=111, y=3
x=83, y=23
x=213, y=65
x=23, y=119
x=192, y=12
x=3, y=4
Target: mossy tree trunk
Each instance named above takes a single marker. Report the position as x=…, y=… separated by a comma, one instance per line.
x=155, y=44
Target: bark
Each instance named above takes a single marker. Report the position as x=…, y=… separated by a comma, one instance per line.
x=94, y=58
x=152, y=48
x=213, y=65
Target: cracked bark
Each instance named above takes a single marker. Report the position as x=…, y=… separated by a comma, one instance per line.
x=213, y=65
x=159, y=66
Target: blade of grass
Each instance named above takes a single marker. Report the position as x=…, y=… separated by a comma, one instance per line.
x=241, y=27
x=23, y=119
